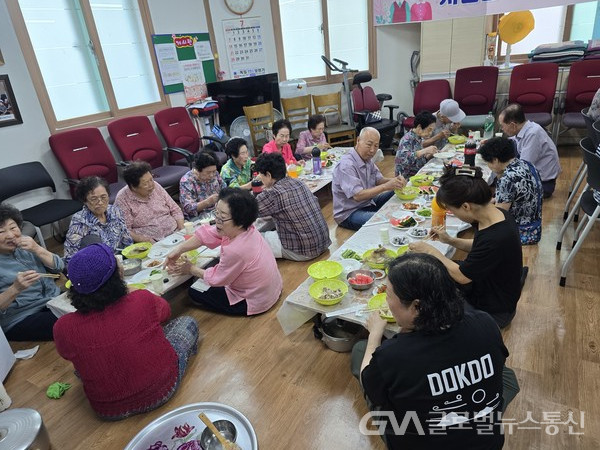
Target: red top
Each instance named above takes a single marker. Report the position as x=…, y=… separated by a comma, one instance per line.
x=286, y=151
x=122, y=355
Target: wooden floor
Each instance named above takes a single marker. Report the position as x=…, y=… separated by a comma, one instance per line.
x=300, y=395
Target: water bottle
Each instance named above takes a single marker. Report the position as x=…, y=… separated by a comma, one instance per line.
x=470, y=151
x=316, y=160
x=488, y=126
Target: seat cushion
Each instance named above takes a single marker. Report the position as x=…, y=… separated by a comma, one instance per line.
x=573, y=120
x=542, y=119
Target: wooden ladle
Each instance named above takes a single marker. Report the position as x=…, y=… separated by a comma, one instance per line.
x=225, y=443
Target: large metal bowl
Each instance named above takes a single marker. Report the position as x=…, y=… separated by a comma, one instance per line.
x=361, y=287
x=210, y=442
x=340, y=335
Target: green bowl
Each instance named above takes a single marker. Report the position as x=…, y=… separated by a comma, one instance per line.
x=137, y=251
x=407, y=193
x=421, y=180
x=457, y=139
x=389, y=253
x=402, y=250
x=325, y=269
x=316, y=289
x=376, y=302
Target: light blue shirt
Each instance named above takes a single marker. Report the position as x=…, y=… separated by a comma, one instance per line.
x=34, y=298
x=535, y=145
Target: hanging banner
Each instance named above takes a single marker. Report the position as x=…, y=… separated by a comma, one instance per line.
x=387, y=12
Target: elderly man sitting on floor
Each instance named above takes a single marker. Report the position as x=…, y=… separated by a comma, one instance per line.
x=359, y=189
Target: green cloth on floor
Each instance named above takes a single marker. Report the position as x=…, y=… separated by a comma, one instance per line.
x=57, y=390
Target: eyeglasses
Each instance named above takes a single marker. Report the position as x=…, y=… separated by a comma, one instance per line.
x=220, y=219
x=95, y=200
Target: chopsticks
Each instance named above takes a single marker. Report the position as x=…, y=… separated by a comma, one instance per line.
x=49, y=275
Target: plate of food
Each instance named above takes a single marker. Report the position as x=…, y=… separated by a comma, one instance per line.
x=138, y=250
x=158, y=252
x=153, y=263
x=378, y=303
x=381, y=289
x=399, y=241
x=377, y=258
x=421, y=179
x=444, y=155
x=403, y=223
x=428, y=190
x=142, y=277
x=418, y=232
x=328, y=292
x=172, y=240
x=407, y=193
x=410, y=206
x=379, y=274
x=423, y=212
x=457, y=139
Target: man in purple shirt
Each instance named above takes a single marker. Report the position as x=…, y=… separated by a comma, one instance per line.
x=359, y=189
x=533, y=145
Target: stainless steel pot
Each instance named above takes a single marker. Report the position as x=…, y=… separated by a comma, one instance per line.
x=23, y=428
x=337, y=334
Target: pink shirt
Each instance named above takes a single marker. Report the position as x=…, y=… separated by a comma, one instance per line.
x=247, y=268
x=286, y=151
x=155, y=217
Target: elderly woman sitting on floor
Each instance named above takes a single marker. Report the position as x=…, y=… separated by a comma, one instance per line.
x=97, y=221
x=199, y=188
x=246, y=280
x=129, y=358
x=24, y=287
x=149, y=212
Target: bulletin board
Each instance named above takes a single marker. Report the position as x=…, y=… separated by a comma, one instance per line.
x=186, y=63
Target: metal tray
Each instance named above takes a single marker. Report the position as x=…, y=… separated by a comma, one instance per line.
x=162, y=429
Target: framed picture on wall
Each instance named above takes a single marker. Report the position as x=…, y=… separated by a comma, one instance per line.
x=9, y=111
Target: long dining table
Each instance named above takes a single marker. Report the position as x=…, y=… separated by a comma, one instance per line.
x=299, y=306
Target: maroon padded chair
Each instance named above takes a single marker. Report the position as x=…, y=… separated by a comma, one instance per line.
x=533, y=86
x=135, y=139
x=475, y=92
x=84, y=153
x=179, y=133
x=428, y=96
x=584, y=81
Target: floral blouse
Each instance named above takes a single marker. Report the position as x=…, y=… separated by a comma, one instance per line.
x=233, y=176
x=192, y=192
x=407, y=162
x=113, y=233
x=520, y=186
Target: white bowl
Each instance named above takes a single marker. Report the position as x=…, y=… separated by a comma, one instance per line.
x=348, y=265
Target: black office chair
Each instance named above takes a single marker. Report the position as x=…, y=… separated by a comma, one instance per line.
x=26, y=177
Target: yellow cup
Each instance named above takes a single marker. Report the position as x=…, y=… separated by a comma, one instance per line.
x=293, y=172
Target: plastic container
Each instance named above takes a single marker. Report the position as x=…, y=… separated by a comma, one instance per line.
x=257, y=185
x=438, y=214
x=488, y=126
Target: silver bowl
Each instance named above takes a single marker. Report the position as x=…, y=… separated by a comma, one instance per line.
x=210, y=442
x=361, y=287
x=131, y=266
x=340, y=335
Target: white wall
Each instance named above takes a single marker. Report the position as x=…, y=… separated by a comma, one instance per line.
x=29, y=141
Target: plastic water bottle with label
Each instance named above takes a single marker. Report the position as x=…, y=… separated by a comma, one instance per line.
x=488, y=126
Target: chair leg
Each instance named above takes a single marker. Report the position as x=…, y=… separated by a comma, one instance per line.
x=40, y=236
x=574, y=187
x=579, y=228
x=569, y=260
x=567, y=223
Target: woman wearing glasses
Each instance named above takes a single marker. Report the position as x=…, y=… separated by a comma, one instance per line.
x=246, y=280
x=490, y=275
x=200, y=187
x=97, y=221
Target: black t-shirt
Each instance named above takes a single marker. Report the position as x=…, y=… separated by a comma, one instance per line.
x=455, y=377
x=494, y=265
